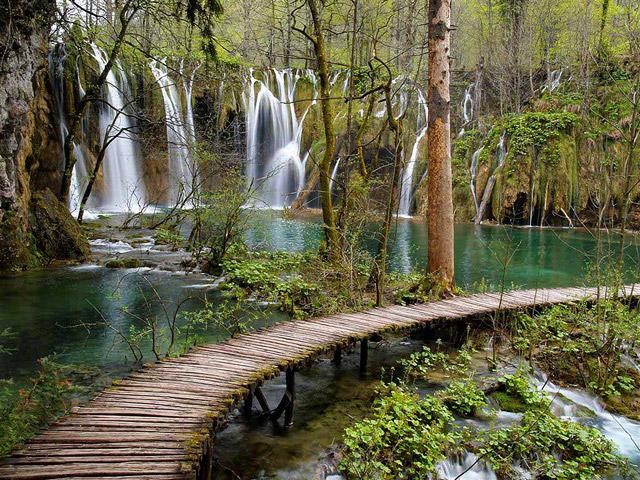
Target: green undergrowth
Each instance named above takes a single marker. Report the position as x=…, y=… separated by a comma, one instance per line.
x=591, y=346
x=305, y=284
x=49, y=394
x=407, y=433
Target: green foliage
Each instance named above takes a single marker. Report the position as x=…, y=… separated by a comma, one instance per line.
x=519, y=395
x=404, y=438
x=229, y=316
x=583, y=344
x=168, y=236
x=219, y=221
x=273, y=277
x=26, y=411
x=550, y=448
x=421, y=364
x=536, y=129
x=463, y=397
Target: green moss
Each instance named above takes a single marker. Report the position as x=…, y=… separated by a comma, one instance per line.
x=124, y=263
x=509, y=403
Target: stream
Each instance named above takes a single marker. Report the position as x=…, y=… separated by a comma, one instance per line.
x=71, y=312
x=330, y=398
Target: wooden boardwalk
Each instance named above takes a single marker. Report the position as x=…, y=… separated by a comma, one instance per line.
x=159, y=423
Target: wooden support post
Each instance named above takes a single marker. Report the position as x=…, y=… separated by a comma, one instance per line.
x=364, y=355
x=248, y=402
x=337, y=355
x=261, y=400
x=291, y=392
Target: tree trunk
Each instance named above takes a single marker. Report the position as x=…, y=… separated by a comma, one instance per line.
x=377, y=276
x=440, y=202
x=328, y=216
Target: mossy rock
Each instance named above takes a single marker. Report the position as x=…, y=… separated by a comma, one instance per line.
x=124, y=263
x=509, y=403
x=15, y=243
x=55, y=233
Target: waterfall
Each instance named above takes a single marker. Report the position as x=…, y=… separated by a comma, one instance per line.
x=180, y=135
x=345, y=83
x=465, y=467
x=622, y=431
x=501, y=154
x=467, y=104
x=553, y=82
x=123, y=187
x=531, y=201
x=473, y=170
x=188, y=94
x=466, y=107
x=79, y=174
x=334, y=174
x=406, y=180
x=275, y=166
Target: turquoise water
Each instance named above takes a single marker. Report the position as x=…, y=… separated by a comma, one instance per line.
x=528, y=257
x=74, y=312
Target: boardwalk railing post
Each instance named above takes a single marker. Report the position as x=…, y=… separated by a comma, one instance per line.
x=364, y=355
x=291, y=391
x=248, y=402
x=337, y=355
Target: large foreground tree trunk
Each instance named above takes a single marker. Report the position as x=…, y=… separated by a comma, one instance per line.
x=440, y=201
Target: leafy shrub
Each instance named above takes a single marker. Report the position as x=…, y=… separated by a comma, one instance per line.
x=26, y=411
x=463, y=397
x=404, y=438
x=219, y=222
x=229, y=316
x=168, y=236
x=519, y=388
x=421, y=363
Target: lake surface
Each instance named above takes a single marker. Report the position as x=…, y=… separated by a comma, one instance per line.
x=533, y=257
x=74, y=312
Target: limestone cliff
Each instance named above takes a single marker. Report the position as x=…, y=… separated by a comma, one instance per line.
x=25, y=153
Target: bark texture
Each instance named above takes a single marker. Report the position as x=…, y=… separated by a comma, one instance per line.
x=440, y=218
x=328, y=215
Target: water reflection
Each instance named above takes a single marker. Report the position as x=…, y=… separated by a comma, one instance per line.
x=525, y=257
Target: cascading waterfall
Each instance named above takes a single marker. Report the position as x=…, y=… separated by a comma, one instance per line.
x=467, y=104
x=187, y=84
x=465, y=467
x=473, y=170
x=532, y=201
x=501, y=154
x=567, y=403
x=79, y=174
x=334, y=174
x=406, y=180
x=345, y=83
x=180, y=135
x=553, y=82
x=123, y=186
x=275, y=165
